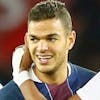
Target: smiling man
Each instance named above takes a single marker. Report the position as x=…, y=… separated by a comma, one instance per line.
x=48, y=41
x=48, y=48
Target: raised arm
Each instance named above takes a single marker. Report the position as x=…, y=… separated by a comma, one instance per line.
x=27, y=87
x=74, y=97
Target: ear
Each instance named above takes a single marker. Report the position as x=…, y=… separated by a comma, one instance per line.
x=71, y=39
x=25, y=40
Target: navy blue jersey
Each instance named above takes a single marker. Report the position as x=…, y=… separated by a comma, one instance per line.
x=78, y=78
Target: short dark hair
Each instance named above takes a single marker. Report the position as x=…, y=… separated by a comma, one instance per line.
x=50, y=9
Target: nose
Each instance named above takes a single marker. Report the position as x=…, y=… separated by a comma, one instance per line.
x=42, y=46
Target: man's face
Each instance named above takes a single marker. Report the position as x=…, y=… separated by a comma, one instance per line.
x=48, y=45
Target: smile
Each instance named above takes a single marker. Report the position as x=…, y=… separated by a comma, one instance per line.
x=44, y=59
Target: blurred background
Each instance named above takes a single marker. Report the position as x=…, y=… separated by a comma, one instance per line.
x=86, y=22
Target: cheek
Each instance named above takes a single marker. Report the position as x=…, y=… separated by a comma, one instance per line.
x=63, y=52
x=60, y=51
x=31, y=50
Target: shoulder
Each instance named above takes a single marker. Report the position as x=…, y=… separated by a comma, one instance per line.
x=11, y=92
x=82, y=72
x=79, y=76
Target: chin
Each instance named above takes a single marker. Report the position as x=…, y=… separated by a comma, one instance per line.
x=47, y=71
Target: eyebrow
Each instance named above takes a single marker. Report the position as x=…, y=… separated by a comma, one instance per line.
x=52, y=35
x=49, y=35
x=31, y=35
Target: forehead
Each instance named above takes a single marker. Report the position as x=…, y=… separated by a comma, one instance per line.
x=46, y=27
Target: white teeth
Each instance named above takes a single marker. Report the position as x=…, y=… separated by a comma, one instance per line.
x=44, y=57
x=44, y=60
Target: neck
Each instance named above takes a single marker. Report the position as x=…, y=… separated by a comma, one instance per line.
x=57, y=77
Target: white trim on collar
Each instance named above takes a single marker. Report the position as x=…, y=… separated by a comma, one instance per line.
x=33, y=76
x=69, y=69
x=1, y=86
x=36, y=79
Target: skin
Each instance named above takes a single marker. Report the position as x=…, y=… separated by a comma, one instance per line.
x=30, y=92
x=74, y=97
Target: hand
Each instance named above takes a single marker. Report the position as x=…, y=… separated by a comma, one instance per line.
x=26, y=60
x=74, y=97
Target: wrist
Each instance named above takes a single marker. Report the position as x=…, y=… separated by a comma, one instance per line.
x=21, y=77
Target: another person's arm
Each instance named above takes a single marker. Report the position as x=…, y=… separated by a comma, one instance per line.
x=23, y=60
x=75, y=97
x=30, y=92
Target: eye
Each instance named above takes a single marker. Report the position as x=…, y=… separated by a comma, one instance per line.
x=34, y=40
x=52, y=39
